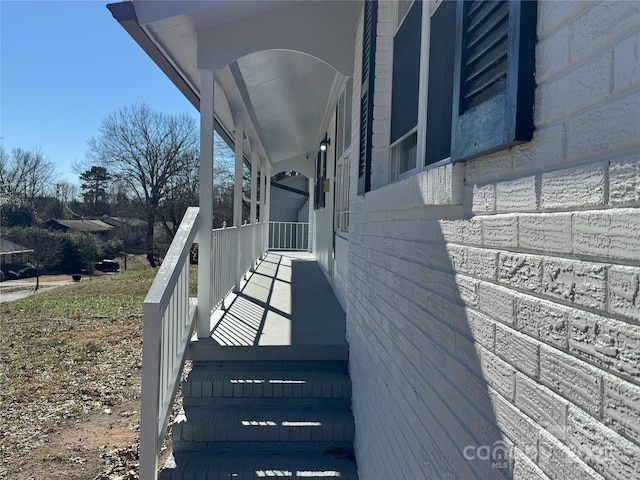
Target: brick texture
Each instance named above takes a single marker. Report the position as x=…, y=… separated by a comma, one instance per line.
x=502, y=313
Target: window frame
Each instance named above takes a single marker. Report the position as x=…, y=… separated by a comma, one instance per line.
x=396, y=147
x=429, y=62
x=395, y=150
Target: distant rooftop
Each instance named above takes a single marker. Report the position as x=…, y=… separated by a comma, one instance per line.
x=89, y=226
x=9, y=247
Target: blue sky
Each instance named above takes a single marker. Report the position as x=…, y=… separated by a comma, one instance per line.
x=65, y=66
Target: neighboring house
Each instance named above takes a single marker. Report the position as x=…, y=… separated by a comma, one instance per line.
x=476, y=210
x=96, y=227
x=129, y=230
x=12, y=253
x=132, y=231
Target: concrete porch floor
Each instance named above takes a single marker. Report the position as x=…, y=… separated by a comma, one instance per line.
x=286, y=310
x=269, y=392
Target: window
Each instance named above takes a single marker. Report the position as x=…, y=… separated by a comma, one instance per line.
x=403, y=156
x=343, y=120
x=369, y=33
x=405, y=88
x=494, y=82
x=341, y=221
x=341, y=173
x=440, y=86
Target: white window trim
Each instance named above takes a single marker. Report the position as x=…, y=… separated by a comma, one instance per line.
x=397, y=22
x=421, y=102
x=394, y=175
x=423, y=184
x=342, y=184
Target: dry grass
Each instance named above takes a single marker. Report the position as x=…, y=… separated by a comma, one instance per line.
x=70, y=362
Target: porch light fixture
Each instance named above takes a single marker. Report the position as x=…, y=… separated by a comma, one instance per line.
x=324, y=144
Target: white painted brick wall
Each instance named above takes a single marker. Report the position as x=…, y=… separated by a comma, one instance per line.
x=606, y=452
x=573, y=187
x=621, y=407
x=545, y=232
x=506, y=307
x=624, y=180
x=516, y=195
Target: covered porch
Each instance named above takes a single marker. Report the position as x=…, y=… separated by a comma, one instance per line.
x=286, y=305
x=266, y=77
x=269, y=394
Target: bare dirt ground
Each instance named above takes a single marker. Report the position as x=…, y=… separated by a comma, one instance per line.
x=85, y=428
x=84, y=424
x=70, y=377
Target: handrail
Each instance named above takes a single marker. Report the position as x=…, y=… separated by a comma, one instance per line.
x=169, y=320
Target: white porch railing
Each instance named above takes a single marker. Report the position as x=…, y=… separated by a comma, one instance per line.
x=235, y=251
x=289, y=236
x=170, y=319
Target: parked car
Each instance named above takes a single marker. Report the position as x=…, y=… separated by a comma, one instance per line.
x=107, y=266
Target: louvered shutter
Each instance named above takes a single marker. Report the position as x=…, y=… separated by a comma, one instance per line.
x=366, y=95
x=494, y=76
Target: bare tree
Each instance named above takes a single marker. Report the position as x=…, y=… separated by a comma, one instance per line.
x=26, y=172
x=147, y=151
x=182, y=192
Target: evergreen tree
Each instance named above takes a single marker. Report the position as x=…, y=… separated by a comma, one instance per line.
x=94, y=185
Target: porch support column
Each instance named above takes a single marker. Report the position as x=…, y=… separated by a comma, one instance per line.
x=254, y=197
x=268, y=192
x=263, y=191
x=237, y=195
x=263, y=202
x=205, y=222
x=254, y=182
x=237, y=188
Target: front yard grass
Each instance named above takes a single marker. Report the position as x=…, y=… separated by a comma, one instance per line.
x=66, y=356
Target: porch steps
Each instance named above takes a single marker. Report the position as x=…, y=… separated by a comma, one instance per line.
x=208, y=350
x=264, y=419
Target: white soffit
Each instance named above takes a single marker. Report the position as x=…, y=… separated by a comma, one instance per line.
x=288, y=92
x=283, y=92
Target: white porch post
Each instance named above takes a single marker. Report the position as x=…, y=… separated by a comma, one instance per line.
x=263, y=201
x=263, y=191
x=237, y=194
x=205, y=246
x=237, y=188
x=268, y=193
x=254, y=196
x=254, y=182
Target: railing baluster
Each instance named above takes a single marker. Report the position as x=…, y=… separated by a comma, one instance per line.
x=169, y=321
x=286, y=236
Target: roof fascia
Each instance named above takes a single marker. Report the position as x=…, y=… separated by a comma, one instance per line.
x=125, y=15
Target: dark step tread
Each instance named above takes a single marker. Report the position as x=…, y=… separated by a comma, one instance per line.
x=239, y=383
x=314, y=365
x=209, y=350
x=263, y=424
x=206, y=465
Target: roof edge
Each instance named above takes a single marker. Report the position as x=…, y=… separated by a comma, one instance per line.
x=125, y=15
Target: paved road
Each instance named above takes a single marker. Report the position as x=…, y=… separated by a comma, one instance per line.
x=18, y=290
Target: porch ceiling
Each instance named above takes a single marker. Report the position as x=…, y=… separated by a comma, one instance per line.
x=279, y=63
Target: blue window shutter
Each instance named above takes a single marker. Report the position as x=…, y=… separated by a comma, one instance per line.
x=366, y=95
x=494, y=82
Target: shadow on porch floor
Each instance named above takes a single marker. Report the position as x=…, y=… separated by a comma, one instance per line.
x=286, y=310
